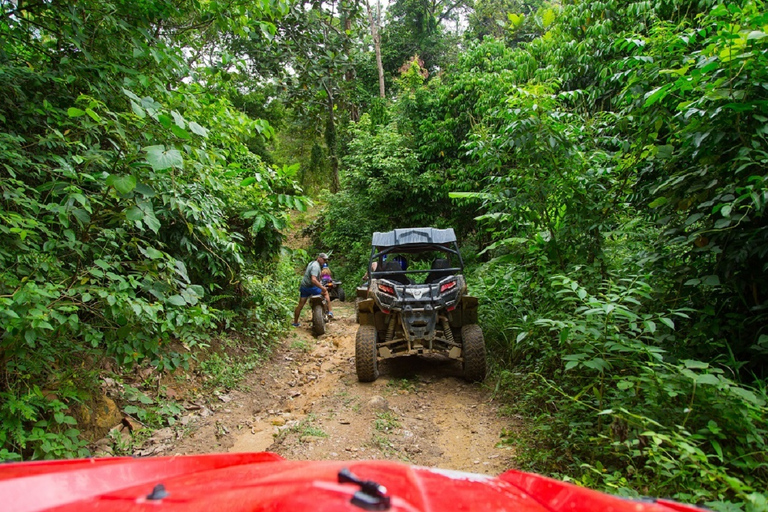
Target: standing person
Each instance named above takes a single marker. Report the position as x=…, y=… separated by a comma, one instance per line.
x=311, y=285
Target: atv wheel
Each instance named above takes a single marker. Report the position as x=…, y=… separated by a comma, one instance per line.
x=342, y=295
x=318, y=320
x=365, y=353
x=473, y=352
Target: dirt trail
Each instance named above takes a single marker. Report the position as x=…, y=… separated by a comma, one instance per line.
x=306, y=403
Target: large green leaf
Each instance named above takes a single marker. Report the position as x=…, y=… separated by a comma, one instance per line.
x=123, y=184
x=134, y=213
x=177, y=300
x=160, y=158
x=180, y=132
x=197, y=129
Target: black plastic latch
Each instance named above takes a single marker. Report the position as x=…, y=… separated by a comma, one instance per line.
x=371, y=496
x=158, y=493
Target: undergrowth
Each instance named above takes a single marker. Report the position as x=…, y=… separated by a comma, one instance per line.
x=610, y=403
x=38, y=423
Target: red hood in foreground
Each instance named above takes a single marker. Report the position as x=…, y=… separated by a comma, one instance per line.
x=267, y=482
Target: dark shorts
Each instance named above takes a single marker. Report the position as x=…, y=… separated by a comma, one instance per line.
x=308, y=292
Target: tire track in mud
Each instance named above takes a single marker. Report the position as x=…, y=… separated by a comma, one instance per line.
x=306, y=403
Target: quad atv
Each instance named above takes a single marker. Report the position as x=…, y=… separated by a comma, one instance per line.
x=425, y=310
x=320, y=307
x=335, y=291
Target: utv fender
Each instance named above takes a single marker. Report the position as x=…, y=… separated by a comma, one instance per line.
x=466, y=313
x=365, y=312
x=366, y=305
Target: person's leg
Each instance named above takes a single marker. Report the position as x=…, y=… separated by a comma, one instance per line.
x=297, y=311
x=328, y=301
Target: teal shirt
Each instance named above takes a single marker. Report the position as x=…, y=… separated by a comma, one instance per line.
x=313, y=269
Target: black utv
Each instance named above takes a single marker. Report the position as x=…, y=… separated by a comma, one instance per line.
x=416, y=302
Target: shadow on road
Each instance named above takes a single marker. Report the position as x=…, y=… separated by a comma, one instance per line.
x=432, y=367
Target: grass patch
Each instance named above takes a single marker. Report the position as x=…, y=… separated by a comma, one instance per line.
x=386, y=422
x=306, y=428
x=125, y=445
x=228, y=365
x=396, y=385
x=302, y=344
x=382, y=443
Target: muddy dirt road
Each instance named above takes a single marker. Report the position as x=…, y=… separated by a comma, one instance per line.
x=306, y=403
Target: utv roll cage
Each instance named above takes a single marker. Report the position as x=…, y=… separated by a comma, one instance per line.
x=412, y=241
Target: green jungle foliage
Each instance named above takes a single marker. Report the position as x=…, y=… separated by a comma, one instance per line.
x=610, y=160
x=603, y=162
x=133, y=212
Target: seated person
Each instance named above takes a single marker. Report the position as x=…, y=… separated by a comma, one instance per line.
x=400, y=260
x=325, y=274
x=374, y=266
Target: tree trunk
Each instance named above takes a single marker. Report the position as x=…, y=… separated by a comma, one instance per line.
x=354, y=112
x=377, y=45
x=330, y=142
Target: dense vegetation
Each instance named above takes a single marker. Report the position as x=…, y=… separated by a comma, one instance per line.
x=136, y=221
x=614, y=158
x=603, y=162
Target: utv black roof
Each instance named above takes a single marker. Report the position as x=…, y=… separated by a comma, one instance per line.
x=413, y=240
x=413, y=236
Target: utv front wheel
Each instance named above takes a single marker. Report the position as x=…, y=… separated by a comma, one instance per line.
x=342, y=295
x=365, y=353
x=473, y=352
x=318, y=320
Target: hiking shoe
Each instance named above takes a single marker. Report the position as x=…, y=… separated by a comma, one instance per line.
x=330, y=314
x=295, y=324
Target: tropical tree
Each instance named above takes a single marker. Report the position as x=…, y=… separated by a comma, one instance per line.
x=419, y=27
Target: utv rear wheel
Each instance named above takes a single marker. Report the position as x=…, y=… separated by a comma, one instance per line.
x=318, y=320
x=365, y=353
x=473, y=352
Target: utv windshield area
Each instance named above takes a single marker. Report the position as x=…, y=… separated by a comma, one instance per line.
x=414, y=255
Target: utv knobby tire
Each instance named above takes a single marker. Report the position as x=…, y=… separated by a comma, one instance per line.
x=473, y=346
x=318, y=320
x=342, y=295
x=365, y=353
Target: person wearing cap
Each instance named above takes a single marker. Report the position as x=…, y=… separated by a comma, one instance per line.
x=312, y=285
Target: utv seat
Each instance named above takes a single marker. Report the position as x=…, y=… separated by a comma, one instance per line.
x=437, y=273
x=400, y=277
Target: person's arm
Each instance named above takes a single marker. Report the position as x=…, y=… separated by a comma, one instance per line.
x=317, y=282
x=374, y=265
